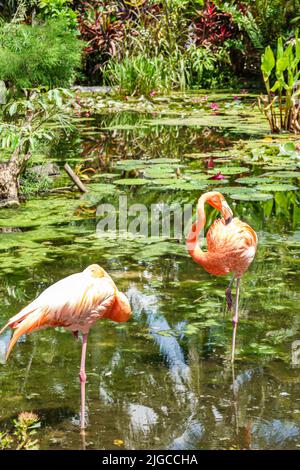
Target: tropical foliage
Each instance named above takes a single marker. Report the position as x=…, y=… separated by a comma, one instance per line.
x=46, y=54
x=281, y=77
x=25, y=122
x=183, y=44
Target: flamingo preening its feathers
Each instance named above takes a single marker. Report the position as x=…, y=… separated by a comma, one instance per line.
x=231, y=247
x=76, y=303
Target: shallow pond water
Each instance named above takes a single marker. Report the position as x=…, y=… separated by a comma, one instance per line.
x=163, y=380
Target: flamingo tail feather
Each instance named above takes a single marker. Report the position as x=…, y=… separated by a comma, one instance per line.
x=32, y=321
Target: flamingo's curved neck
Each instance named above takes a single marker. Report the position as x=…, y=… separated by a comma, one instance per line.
x=192, y=239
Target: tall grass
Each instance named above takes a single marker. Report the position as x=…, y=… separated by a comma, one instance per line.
x=197, y=67
x=138, y=75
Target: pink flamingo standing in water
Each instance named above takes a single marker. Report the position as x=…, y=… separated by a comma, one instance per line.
x=231, y=247
x=76, y=303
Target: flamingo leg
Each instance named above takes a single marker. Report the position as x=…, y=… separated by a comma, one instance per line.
x=82, y=376
x=235, y=318
x=229, y=295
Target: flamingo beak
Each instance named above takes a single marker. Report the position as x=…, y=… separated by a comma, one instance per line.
x=226, y=212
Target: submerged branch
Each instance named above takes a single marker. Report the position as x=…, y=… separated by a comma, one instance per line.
x=75, y=178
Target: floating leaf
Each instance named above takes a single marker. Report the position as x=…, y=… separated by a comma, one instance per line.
x=159, y=172
x=230, y=170
x=216, y=182
x=253, y=180
x=101, y=188
x=128, y=165
x=105, y=175
x=187, y=186
x=252, y=196
x=287, y=148
x=284, y=174
x=132, y=181
x=196, y=176
x=171, y=161
x=164, y=181
x=235, y=190
x=276, y=187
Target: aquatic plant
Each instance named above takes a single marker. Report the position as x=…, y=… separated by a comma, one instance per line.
x=281, y=75
x=22, y=436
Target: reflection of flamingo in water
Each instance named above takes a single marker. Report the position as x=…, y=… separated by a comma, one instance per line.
x=179, y=369
x=76, y=303
x=231, y=247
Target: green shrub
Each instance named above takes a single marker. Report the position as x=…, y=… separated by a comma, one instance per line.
x=32, y=184
x=46, y=54
x=58, y=9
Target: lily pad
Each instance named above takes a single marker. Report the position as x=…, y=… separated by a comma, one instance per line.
x=105, y=175
x=287, y=148
x=187, y=186
x=276, y=187
x=230, y=170
x=132, y=181
x=128, y=165
x=196, y=176
x=160, y=172
x=216, y=182
x=236, y=190
x=171, y=161
x=253, y=180
x=283, y=174
x=252, y=196
x=101, y=187
x=164, y=181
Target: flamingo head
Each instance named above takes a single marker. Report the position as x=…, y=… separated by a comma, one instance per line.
x=218, y=201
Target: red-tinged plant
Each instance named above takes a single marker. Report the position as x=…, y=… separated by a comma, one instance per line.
x=102, y=30
x=104, y=24
x=212, y=26
x=136, y=9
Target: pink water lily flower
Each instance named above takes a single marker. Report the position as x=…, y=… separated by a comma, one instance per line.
x=210, y=163
x=218, y=176
x=152, y=93
x=214, y=106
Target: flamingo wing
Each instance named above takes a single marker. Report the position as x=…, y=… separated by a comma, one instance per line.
x=237, y=235
x=233, y=245
x=74, y=302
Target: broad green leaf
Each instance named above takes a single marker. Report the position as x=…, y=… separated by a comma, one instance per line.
x=267, y=61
